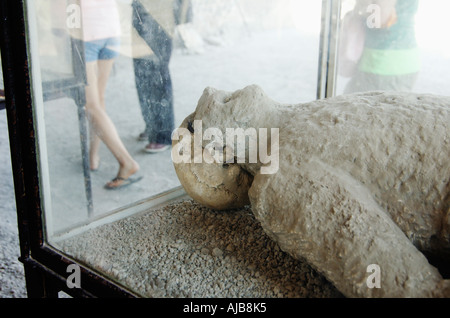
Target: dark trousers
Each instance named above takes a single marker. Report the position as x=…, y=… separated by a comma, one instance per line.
x=152, y=76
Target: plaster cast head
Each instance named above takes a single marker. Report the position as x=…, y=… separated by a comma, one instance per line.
x=214, y=165
x=216, y=184
x=238, y=109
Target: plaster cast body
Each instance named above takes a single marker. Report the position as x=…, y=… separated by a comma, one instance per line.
x=363, y=179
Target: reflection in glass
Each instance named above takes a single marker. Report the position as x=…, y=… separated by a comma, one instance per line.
x=387, y=52
x=55, y=49
x=392, y=45
x=169, y=53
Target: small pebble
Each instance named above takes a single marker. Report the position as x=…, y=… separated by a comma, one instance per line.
x=217, y=252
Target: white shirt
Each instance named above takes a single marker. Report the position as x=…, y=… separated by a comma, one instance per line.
x=100, y=18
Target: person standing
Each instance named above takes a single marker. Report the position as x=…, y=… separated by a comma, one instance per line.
x=101, y=31
x=390, y=58
x=154, y=23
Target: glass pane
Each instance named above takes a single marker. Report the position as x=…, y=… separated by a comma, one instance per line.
x=146, y=64
x=393, y=46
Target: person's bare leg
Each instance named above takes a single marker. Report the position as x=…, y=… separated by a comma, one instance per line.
x=101, y=122
x=92, y=99
x=103, y=70
x=94, y=158
x=94, y=146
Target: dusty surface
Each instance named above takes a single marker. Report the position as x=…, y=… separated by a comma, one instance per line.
x=187, y=250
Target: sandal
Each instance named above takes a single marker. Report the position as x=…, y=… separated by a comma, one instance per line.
x=122, y=182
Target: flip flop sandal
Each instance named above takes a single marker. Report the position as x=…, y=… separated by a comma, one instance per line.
x=123, y=182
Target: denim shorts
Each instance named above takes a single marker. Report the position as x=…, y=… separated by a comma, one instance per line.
x=101, y=49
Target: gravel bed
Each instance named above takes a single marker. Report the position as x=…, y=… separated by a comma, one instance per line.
x=187, y=250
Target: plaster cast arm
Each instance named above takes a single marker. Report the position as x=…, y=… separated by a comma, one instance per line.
x=332, y=221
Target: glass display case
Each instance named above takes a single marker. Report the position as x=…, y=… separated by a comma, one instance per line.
x=61, y=196
x=81, y=234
